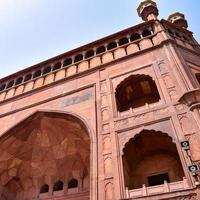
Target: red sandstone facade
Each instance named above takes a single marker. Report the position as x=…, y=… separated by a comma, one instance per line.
x=105, y=121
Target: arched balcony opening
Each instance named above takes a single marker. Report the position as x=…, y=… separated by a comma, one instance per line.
x=67, y=62
x=37, y=74
x=123, y=41
x=41, y=147
x=10, y=84
x=78, y=58
x=58, y=186
x=19, y=81
x=136, y=91
x=73, y=183
x=2, y=87
x=27, y=77
x=135, y=36
x=100, y=50
x=46, y=70
x=146, y=33
x=44, y=189
x=57, y=66
x=151, y=158
x=112, y=45
x=89, y=54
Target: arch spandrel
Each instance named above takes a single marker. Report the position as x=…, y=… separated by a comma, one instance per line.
x=138, y=72
x=42, y=146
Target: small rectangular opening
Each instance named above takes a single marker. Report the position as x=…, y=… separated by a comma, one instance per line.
x=158, y=179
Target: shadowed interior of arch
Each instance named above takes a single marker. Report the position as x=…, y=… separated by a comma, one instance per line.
x=136, y=91
x=41, y=150
x=151, y=158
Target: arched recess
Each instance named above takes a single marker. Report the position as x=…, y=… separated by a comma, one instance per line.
x=150, y=158
x=42, y=147
x=135, y=91
x=197, y=75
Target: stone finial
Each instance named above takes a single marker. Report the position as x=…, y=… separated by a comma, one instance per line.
x=178, y=19
x=148, y=10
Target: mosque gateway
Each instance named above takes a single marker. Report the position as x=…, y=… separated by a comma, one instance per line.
x=116, y=119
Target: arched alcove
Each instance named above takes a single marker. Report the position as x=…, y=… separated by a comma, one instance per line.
x=57, y=66
x=44, y=189
x=44, y=146
x=10, y=84
x=58, y=186
x=135, y=36
x=146, y=33
x=78, y=58
x=73, y=183
x=46, y=70
x=89, y=53
x=151, y=158
x=112, y=45
x=123, y=41
x=136, y=91
x=27, y=77
x=19, y=81
x=100, y=50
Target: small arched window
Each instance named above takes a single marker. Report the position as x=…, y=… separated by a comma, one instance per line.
x=47, y=70
x=123, y=41
x=58, y=186
x=37, y=74
x=27, y=77
x=146, y=33
x=57, y=66
x=101, y=49
x=78, y=58
x=67, y=62
x=2, y=87
x=44, y=189
x=19, y=80
x=112, y=45
x=10, y=84
x=89, y=54
x=136, y=91
x=73, y=183
x=135, y=36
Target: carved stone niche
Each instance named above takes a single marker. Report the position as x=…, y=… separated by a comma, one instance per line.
x=109, y=191
x=187, y=123
x=162, y=67
x=107, y=144
x=108, y=167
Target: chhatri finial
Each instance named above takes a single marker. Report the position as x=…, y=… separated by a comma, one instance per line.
x=148, y=10
x=178, y=19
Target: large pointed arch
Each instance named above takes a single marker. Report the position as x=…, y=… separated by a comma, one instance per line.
x=40, y=148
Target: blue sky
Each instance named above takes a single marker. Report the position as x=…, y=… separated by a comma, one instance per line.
x=35, y=30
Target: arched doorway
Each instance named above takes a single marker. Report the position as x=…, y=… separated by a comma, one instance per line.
x=42, y=154
x=151, y=158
